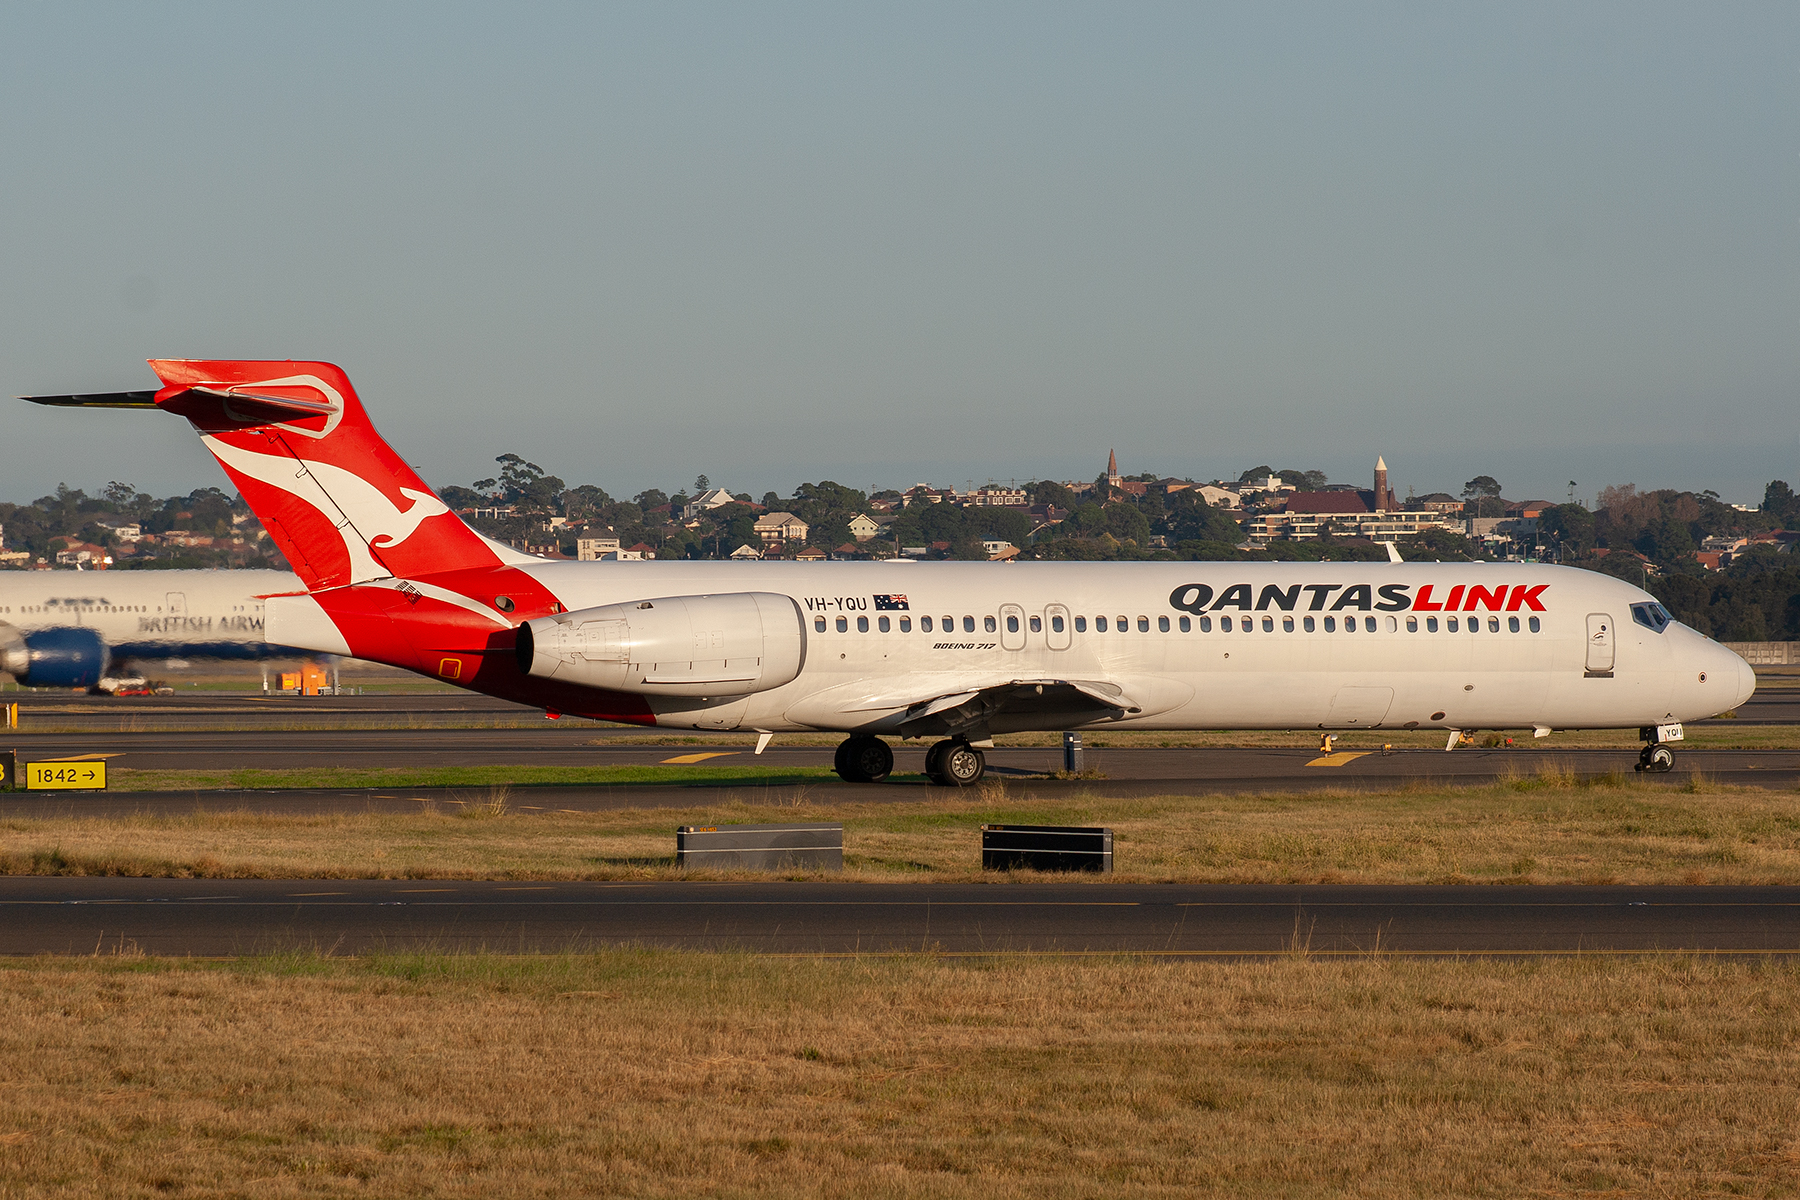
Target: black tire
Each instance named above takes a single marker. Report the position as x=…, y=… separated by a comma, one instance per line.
x=961, y=765
x=1661, y=759
x=863, y=760
x=934, y=762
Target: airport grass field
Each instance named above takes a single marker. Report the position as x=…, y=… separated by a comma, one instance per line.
x=1551, y=827
x=673, y=1074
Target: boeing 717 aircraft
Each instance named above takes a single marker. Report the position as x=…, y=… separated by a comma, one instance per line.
x=70, y=628
x=954, y=652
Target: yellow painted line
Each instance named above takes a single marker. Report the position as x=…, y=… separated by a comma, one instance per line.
x=1340, y=758
x=694, y=758
x=83, y=757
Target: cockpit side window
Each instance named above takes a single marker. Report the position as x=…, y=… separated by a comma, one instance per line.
x=1653, y=617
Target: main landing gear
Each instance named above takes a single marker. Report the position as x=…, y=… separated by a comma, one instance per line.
x=863, y=759
x=1655, y=756
x=951, y=763
x=955, y=763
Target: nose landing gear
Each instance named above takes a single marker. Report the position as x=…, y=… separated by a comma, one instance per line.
x=1654, y=756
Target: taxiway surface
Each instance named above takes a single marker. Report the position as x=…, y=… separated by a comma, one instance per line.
x=176, y=917
x=778, y=779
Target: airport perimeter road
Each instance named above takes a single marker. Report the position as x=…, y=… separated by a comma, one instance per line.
x=205, y=917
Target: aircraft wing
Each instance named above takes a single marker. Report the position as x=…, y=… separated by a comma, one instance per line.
x=970, y=707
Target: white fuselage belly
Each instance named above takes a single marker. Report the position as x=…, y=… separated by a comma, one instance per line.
x=1250, y=678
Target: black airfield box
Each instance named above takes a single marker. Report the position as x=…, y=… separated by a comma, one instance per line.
x=1046, y=848
x=761, y=847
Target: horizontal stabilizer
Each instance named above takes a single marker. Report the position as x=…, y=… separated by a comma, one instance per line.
x=98, y=400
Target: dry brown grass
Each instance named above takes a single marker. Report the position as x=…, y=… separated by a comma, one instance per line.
x=663, y=1074
x=1547, y=827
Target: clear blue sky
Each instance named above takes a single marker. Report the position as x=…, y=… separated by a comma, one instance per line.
x=922, y=242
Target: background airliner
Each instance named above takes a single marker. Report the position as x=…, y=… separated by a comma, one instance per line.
x=71, y=628
x=955, y=652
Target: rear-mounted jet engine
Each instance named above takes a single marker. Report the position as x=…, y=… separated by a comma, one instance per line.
x=729, y=645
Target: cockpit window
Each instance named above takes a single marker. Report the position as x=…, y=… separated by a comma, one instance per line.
x=1653, y=617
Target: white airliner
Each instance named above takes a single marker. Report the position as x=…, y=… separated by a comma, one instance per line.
x=70, y=628
x=956, y=652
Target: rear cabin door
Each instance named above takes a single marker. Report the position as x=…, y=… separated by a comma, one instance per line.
x=1600, y=639
x=1056, y=627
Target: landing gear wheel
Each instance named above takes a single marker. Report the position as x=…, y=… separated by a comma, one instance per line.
x=863, y=759
x=1660, y=758
x=955, y=764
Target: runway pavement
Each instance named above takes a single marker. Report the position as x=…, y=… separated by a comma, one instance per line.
x=176, y=917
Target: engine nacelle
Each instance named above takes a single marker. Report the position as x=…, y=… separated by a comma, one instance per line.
x=730, y=645
x=70, y=656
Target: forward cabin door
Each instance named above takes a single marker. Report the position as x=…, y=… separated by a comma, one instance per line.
x=1600, y=638
x=177, y=603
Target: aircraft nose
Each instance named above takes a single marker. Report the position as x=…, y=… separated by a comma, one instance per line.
x=1746, y=680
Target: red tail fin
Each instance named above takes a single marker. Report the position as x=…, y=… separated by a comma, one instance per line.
x=343, y=507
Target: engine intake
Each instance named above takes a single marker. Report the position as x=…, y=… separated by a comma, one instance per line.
x=730, y=645
x=67, y=656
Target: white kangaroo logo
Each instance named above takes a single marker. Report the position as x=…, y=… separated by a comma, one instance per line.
x=362, y=512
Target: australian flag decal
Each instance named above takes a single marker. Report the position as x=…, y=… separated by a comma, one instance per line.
x=890, y=603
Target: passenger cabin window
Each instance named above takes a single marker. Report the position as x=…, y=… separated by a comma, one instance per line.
x=1124, y=625
x=1225, y=624
x=1412, y=624
x=987, y=625
x=949, y=624
x=1056, y=624
x=1451, y=625
x=1162, y=624
x=1368, y=624
x=1187, y=625
x=1037, y=624
x=843, y=624
x=906, y=624
x=1330, y=624
x=1099, y=624
x=1430, y=624
x=818, y=624
x=1012, y=624
x=862, y=624
x=968, y=624
x=1493, y=624
x=881, y=623
x=1534, y=624
x=1651, y=616
x=924, y=624
x=1512, y=624
x=1080, y=624
x=1143, y=624
x=1268, y=624
x=1307, y=624
x=1205, y=624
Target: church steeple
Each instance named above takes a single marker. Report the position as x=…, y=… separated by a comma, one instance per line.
x=1384, y=496
x=1112, y=469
